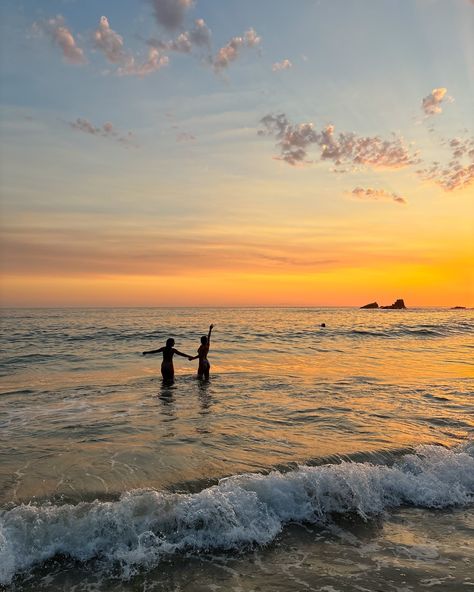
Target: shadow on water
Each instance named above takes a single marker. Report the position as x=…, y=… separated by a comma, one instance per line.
x=167, y=400
x=205, y=397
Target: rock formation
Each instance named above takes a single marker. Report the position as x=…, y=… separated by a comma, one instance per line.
x=396, y=305
x=371, y=305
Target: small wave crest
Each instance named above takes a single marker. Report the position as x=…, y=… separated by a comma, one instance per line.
x=144, y=526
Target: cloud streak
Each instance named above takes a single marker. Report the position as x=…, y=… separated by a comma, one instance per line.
x=370, y=194
x=107, y=130
x=56, y=29
x=345, y=148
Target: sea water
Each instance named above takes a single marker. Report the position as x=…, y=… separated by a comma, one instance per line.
x=328, y=458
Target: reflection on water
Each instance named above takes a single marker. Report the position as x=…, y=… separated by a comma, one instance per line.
x=282, y=390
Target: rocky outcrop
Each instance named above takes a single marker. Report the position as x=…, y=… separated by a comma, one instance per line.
x=458, y=308
x=370, y=305
x=398, y=304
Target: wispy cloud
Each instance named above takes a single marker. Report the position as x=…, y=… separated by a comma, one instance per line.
x=431, y=104
x=294, y=142
x=107, y=130
x=88, y=249
x=199, y=36
x=231, y=51
x=56, y=29
x=185, y=137
x=170, y=14
x=283, y=65
x=370, y=194
x=458, y=171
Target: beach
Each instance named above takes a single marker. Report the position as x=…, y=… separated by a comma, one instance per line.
x=316, y=458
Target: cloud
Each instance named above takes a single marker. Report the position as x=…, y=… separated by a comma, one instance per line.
x=231, y=51
x=185, y=137
x=110, y=43
x=377, y=195
x=199, y=36
x=283, y=65
x=171, y=13
x=294, y=142
x=458, y=171
x=154, y=62
x=56, y=29
x=431, y=103
x=107, y=130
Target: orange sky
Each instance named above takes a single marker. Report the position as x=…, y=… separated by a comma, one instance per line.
x=261, y=164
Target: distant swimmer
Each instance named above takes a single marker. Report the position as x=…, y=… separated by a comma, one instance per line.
x=323, y=324
x=204, y=366
x=167, y=368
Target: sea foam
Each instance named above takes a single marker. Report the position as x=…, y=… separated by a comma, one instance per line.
x=144, y=526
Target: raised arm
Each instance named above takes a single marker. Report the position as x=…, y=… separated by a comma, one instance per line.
x=153, y=351
x=211, y=327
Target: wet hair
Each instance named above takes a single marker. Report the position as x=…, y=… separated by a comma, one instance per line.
x=170, y=342
x=204, y=339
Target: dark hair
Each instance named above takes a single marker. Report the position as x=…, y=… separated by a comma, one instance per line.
x=204, y=339
x=170, y=342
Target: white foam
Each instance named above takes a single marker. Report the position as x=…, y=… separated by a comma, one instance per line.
x=145, y=525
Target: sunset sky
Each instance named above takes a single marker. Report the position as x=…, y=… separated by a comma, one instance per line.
x=239, y=152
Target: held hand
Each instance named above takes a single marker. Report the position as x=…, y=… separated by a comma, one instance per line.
x=144, y=353
x=190, y=358
x=211, y=327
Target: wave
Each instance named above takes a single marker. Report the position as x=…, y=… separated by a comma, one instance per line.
x=144, y=526
x=401, y=332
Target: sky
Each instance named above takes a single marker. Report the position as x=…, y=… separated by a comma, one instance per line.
x=237, y=153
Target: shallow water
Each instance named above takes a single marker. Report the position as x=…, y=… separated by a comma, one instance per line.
x=86, y=422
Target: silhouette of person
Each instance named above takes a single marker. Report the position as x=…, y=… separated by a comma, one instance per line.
x=204, y=366
x=167, y=368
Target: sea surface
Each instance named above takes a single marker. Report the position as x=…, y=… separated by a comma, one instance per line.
x=334, y=458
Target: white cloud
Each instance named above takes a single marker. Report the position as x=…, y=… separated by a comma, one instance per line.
x=294, y=142
x=431, y=104
x=283, y=65
x=231, y=51
x=154, y=62
x=110, y=43
x=56, y=29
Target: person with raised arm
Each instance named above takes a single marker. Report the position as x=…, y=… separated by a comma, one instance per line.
x=204, y=366
x=168, y=351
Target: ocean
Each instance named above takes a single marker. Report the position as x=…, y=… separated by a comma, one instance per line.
x=334, y=458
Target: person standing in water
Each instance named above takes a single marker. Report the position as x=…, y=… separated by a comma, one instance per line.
x=204, y=366
x=167, y=368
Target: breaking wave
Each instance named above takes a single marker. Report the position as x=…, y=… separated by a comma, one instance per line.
x=143, y=526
